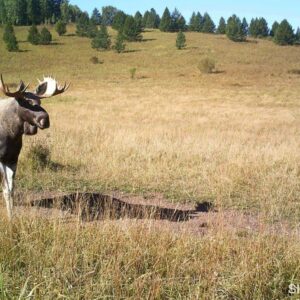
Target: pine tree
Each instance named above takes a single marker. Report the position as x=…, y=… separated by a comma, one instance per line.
x=33, y=35
x=274, y=28
x=8, y=31
x=192, y=22
x=297, y=36
x=46, y=10
x=258, y=28
x=119, y=21
x=151, y=19
x=108, y=15
x=86, y=27
x=198, y=22
x=60, y=27
x=3, y=15
x=178, y=21
x=145, y=18
x=132, y=31
x=234, y=29
x=45, y=36
x=245, y=26
x=20, y=11
x=138, y=19
x=284, y=34
x=181, y=40
x=33, y=11
x=119, y=45
x=208, y=24
x=101, y=40
x=96, y=16
x=10, y=39
x=222, y=26
x=65, y=12
x=166, y=21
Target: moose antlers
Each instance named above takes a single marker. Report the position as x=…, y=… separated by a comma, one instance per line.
x=49, y=87
x=46, y=88
x=17, y=94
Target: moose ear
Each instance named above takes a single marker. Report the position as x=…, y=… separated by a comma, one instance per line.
x=41, y=89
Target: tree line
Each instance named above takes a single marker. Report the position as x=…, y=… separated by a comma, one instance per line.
x=130, y=28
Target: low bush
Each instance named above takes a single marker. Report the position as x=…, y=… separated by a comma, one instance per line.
x=207, y=65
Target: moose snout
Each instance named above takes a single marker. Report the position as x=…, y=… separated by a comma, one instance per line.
x=43, y=121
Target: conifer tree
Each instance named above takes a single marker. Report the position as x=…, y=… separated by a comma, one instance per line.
x=45, y=37
x=258, y=28
x=33, y=11
x=245, y=26
x=60, y=27
x=178, y=21
x=222, y=26
x=138, y=19
x=20, y=11
x=192, y=22
x=3, y=14
x=132, y=31
x=119, y=45
x=119, y=21
x=234, y=29
x=10, y=39
x=274, y=28
x=181, y=40
x=33, y=35
x=297, y=36
x=101, y=40
x=145, y=18
x=284, y=34
x=153, y=19
x=208, y=24
x=96, y=16
x=86, y=27
x=166, y=21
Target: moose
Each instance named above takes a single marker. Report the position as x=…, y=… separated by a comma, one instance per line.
x=20, y=114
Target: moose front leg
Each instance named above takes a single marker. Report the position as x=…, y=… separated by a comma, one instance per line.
x=8, y=172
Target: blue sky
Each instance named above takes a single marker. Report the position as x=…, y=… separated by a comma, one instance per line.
x=270, y=9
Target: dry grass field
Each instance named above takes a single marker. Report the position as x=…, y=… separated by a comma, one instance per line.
x=231, y=138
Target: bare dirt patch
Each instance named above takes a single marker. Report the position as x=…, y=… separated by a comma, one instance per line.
x=155, y=212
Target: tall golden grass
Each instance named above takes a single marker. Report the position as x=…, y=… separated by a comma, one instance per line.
x=231, y=137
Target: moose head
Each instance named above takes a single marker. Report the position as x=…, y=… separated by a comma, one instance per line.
x=30, y=110
x=21, y=114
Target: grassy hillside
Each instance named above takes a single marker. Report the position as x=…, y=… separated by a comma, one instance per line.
x=231, y=137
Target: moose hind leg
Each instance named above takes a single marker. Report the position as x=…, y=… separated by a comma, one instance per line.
x=8, y=187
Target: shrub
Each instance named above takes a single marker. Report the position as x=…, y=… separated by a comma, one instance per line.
x=10, y=38
x=38, y=157
x=94, y=60
x=101, y=40
x=180, y=41
x=45, y=37
x=206, y=65
x=119, y=45
x=33, y=35
x=132, y=73
x=61, y=27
